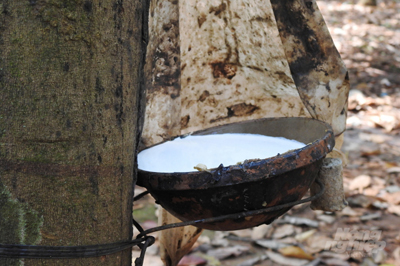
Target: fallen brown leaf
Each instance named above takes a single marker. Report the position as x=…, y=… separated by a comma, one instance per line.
x=271, y=244
x=352, y=220
x=392, y=189
x=331, y=254
x=317, y=242
x=360, y=200
x=298, y=221
x=284, y=230
x=396, y=253
x=219, y=239
x=371, y=216
x=282, y=260
x=360, y=182
x=389, y=165
x=393, y=170
x=252, y=261
x=370, y=152
x=336, y=262
x=391, y=198
x=304, y=235
x=260, y=231
x=387, y=121
x=289, y=240
x=349, y=212
x=242, y=233
x=192, y=260
x=372, y=191
x=394, y=209
x=380, y=205
x=379, y=256
x=223, y=253
x=295, y=252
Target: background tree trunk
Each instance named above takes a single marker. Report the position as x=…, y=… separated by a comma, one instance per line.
x=70, y=90
x=214, y=62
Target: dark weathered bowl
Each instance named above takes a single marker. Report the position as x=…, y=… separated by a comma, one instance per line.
x=253, y=185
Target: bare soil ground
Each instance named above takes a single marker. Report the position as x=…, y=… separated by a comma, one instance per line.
x=368, y=39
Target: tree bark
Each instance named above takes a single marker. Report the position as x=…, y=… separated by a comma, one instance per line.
x=318, y=71
x=69, y=111
x=233, y=61
x=163, y=112
x=214, y=62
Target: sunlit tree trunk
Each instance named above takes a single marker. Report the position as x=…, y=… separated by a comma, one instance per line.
x=69, y=111
x=213, y=62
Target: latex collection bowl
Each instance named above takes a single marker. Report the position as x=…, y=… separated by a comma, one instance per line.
x=253, y=185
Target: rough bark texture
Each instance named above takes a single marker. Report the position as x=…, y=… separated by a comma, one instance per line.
x=162, y=73
x=69, y=78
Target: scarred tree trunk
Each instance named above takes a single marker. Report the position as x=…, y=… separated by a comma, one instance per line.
x=69, y=112
x=224, y=61
x=213, y=62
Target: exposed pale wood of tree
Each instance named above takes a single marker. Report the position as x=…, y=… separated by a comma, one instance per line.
x=163, y=109
x=70, y=88
x=175, y=243
x=211, y=63
x=233, y=65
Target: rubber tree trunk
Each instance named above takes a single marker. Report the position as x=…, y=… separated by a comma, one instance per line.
x=214, y=62
x=69, y=112
x=163, y=111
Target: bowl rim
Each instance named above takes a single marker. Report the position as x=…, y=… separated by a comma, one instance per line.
x=249, y=170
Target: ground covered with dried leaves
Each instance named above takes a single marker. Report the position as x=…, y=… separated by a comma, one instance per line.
x=367, y=232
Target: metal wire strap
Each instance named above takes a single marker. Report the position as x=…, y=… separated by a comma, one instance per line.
x=68, y=252
x=238, y=215
x=142, y=241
